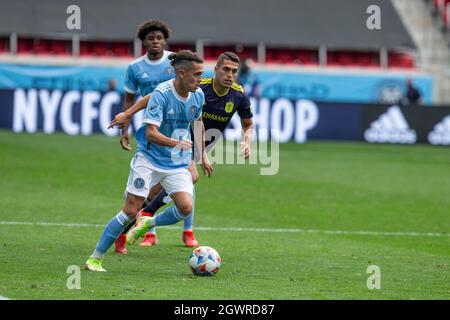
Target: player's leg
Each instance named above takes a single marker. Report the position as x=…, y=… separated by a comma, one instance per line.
x=182, y=208
x=113, y=230
x=138, y=187
x=180, y=187
x=188, y=229
x=150, y=238
x=161, y=199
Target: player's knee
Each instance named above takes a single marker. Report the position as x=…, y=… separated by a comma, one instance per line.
x=131, y=213
x=185, y=209
x=132, y=206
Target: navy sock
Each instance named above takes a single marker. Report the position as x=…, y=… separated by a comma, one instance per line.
x=157, y=202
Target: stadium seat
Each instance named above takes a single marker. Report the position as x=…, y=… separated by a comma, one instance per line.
x=4, y=45
x=208, y=53
x=86, y=48
x=95, y=48
x=400, y=60
x=308, y=57
x=446, y=15
x=122, y=49
x=24, y=46
x=181, y=46
x=60, y=47
x=367, y=59
x=41, y=46
x=101, y=48
x=340, y=58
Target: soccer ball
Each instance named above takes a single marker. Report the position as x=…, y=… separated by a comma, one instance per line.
x=204, y=261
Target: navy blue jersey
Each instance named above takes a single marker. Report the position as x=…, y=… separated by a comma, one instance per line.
x=219, y=109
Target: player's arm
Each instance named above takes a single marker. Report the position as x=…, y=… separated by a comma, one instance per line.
x=131, y=86
x=206, y=164
x=125, y=136
x=247, y=128
x=155, y=136
x=153, y=118
x=123, y=119
x=246, y=115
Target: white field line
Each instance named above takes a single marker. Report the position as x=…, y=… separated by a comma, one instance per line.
x=3, y=298
x=237, y=229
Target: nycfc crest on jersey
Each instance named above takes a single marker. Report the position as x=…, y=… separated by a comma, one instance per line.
x=173, y=114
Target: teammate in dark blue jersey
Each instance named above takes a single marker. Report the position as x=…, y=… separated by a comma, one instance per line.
x=224, y=97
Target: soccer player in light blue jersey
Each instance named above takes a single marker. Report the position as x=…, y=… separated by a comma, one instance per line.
x=163, y=155
x=146, y=72
x=143, y=75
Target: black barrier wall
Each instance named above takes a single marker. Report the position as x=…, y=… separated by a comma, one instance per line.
x=86, y=112
x=406, y=125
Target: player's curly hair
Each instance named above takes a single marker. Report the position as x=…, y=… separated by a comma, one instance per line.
x=153, y=25
x=181, y=57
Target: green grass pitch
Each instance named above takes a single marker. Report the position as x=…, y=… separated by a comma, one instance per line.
x=309, y=232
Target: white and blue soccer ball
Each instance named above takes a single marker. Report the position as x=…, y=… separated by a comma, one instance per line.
x=204, y=261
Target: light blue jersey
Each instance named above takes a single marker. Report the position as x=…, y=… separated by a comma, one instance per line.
x=173, y=115
x=144, y=75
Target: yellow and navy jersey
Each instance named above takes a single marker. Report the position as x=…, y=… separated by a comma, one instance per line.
x=219, y=109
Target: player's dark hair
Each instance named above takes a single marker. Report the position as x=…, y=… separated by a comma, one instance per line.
x=181, y=58
x=153, y=25
x=228, y=56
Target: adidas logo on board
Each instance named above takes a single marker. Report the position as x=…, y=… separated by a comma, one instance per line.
x=441, y=133
x=391, y=127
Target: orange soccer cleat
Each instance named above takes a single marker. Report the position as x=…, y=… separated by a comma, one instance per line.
x=189, y=239
x=150, y=239
x=121, y=243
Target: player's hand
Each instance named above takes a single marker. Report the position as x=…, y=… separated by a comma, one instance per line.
x=125, y=140
x=184, y=144
x=120, y=120
x=245, y=149
x=206, y=166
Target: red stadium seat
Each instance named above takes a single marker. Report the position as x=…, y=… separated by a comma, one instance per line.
x=341, y=58
x=436, y=5
x=24, y=46
x=41, y=46
x=101, y=48
x=367, y=59
x=400, y=60
x=446, y=15
x=181, y=46
x=95, y=48
x=60, y=47
x=4, y=45
x=86, y=48
x=308, y=57
x=122, y=49
x=348, y=58
x=208, y=53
